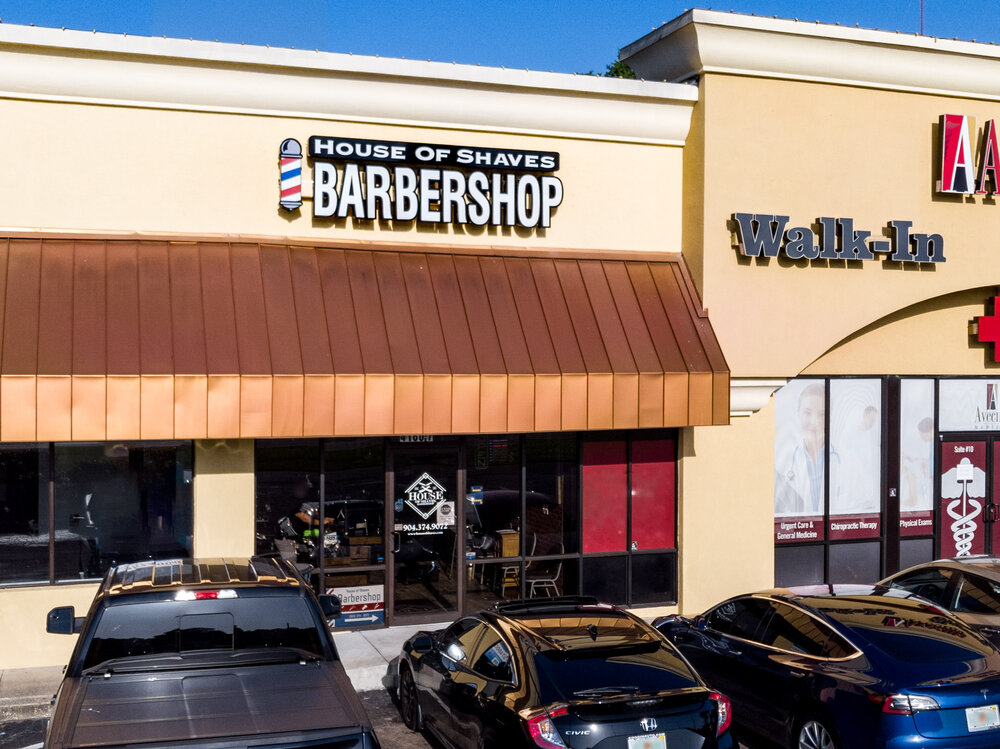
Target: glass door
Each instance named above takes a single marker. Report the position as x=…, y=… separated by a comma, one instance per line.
x=964, y=504
x=424, y=548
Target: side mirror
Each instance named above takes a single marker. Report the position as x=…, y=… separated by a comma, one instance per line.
x=422, y=644
x=63, y=621
x=330, y=605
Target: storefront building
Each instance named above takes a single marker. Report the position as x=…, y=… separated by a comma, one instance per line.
x=840, y=223
x=425, y=329
x=445, y=335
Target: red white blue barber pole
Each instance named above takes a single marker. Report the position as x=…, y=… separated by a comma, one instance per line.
x=290, y=160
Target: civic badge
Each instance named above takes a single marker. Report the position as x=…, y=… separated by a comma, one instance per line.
x=647, y=724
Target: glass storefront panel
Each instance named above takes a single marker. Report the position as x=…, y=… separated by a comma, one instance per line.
x=606, y=578
x=799, y=454
x=916, y=457
x=854, y=563
x=798, y=565
x=653, y=495
x=604, y=496
x=24, y=517
x=124, y=501
x=552, y=498
x=488, y=583
x=855, y=459
x=355, y=502
x=654, y=578
x=287, y=514
x=493, y=497
x=424, y=530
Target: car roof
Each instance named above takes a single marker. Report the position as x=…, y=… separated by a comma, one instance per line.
x=984, y=564
x=568, y=623
x=819, y=598
x=233, y=572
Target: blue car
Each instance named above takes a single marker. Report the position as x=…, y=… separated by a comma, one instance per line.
x=847, y=667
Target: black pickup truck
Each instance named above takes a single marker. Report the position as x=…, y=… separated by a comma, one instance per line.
x=219, y=653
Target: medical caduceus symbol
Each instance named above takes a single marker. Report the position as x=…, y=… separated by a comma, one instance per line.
x=964, y=526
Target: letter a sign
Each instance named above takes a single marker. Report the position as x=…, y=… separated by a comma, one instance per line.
x=957, y=164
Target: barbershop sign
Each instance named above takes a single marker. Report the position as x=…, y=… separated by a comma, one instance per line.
x=767, y=235
x=377, y=180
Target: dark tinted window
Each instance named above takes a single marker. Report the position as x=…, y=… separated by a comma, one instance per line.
x=492, y=657
x=914, y=633
x=458, y=640
x=643, y=668
x=739, y=618
x=977, y=595
x=154, y=628
x=930, y=583
x=792, y=629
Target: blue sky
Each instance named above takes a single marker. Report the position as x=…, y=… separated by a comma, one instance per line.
x=561, y=35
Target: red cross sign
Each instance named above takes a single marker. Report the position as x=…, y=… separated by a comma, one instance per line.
x=988, y=328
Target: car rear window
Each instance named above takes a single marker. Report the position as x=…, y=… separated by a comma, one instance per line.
x=146, y=628
x=914, y=634
x=648, y=667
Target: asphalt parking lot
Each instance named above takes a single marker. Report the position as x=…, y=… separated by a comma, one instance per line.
x=28, y=734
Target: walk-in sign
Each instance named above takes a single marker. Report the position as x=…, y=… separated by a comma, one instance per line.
x=360, y=606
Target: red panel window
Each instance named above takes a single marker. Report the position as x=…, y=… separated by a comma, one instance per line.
x=653, y=494
x=605, y=487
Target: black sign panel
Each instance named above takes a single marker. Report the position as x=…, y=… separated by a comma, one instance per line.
x=326, y=148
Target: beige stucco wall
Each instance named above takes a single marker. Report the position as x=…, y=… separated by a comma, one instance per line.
x=224, y=492
x=929, y=337
x=102, y=168
x=726, y=481
x=23, y=640
x=805, y=150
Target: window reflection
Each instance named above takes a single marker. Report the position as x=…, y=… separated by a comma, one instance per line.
x=24, y=516
x=552, y=498
x=121, y=503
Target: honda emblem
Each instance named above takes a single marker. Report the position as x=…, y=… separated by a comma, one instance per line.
x=648, y=724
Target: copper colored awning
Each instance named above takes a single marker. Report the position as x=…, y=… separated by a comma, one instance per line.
x=149, y=339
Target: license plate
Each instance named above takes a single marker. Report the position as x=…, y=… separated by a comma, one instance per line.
x=649, y=741
x=978, y=718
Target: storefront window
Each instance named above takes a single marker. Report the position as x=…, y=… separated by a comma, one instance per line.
x=493, y=497
x=653, y=494
x=24, y=516
x=916, y=457
x=122, y=502
x=355, y=502
x=552, y=499
x=605, y=487
x=287, y=516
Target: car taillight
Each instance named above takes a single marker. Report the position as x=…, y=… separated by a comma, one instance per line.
x=541, y=728
x=908, y=704
x=203, y=595
x=723, y=712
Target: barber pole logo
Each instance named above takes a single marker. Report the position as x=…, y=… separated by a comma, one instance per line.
x=290, y=160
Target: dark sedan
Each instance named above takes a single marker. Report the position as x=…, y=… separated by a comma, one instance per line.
x=834, y=667
x=556, y=673
x=969, y=587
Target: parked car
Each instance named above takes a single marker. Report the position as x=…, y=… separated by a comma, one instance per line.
x=556, y=672
x=969, y=587
x=205, y=652
x=847, y=667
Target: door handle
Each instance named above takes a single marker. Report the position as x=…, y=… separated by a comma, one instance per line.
x=798, y=674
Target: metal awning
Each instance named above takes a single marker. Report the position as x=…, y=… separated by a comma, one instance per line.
x=170, y=339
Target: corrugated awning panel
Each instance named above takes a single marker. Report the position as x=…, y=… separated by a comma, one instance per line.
x=129, y=339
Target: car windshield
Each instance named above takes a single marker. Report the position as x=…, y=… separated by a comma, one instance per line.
x=641, y=669
x=150, y=628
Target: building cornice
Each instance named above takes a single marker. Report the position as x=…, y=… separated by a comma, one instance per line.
x=702, y=41
x=119, y=70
